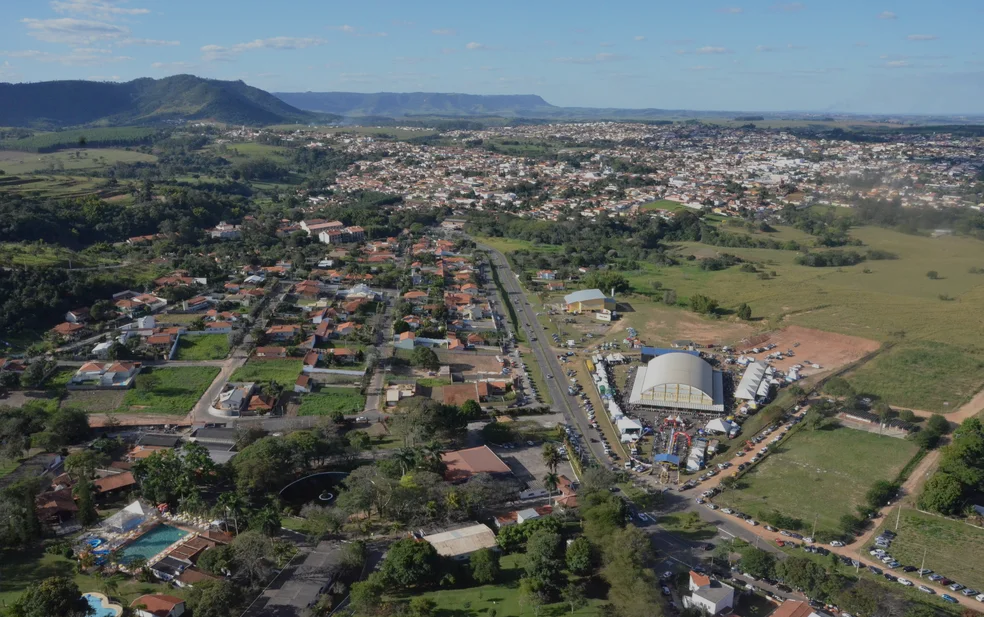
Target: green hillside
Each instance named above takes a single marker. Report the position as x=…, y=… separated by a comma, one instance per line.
x=55, y=104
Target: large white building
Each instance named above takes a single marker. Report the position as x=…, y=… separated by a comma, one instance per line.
x=679, y=381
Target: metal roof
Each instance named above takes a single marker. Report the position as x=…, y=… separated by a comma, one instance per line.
x=678, y=380
x=584, y=295
x=749, y=384
x=462, y=541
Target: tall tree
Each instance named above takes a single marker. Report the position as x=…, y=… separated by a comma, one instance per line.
x=52, y=596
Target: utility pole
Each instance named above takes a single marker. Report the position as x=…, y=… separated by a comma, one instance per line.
x=923, y=566
x=898, y=517
x=815, y=517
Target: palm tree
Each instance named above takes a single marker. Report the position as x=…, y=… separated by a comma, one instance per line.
x=407, y=457
x=551, y=457
x=231, y=503
x=551, y=480
x=432, y=454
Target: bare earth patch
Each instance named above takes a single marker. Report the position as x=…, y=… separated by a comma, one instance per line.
x=698, y=330
x=831, y=351
x=94, y=400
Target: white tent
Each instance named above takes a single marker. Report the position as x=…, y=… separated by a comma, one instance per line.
x=126, y=519
x=718, y=425
x=628, y=427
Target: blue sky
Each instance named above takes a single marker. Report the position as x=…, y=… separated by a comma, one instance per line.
x=890, y=56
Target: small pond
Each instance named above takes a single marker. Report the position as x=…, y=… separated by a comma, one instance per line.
x=319, y=488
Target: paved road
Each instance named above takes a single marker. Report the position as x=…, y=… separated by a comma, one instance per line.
x=543, y=354
x=200, y=411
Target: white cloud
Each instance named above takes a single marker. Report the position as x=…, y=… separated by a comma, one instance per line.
x=347, y=29
x=764, y=48
x=731, y=10
x=101, y=9
x=71, y=31
x=922, y=37
x=444, y=31
x=475, y=46
x=710, y=50
x=77, y=57
x=595, y=59
x=6, y=70
x=172, y=65
x=212, y=53
x=887, y=15
x=897, y=64
x=639, y=38
x=148, y=42
x=104, y=78
x=789, y=7
x=606, y=44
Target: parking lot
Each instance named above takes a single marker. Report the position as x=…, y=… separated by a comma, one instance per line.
x=526, y=463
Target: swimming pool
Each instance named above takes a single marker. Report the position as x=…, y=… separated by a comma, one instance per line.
x=101, y=606
x=152, y=542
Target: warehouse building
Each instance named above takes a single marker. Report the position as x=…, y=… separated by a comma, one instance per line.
x=679, y=381
x=588, y=300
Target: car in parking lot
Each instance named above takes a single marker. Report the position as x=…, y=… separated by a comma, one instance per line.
x=968, y=592
x=935, y=577
x=874, y=570
x=956, y=587
x=908, y=568
x=924, y=571
x=950, y=599
x=836, y=543
x=925, y=589
x=712, y=506
x=890, y=577
x=728, y=511
x=979, y=597
x=665, y=590
x=905, y=581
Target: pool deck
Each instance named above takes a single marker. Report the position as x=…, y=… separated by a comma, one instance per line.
x=105, y=602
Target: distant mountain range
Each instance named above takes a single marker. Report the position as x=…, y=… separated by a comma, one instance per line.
x=399, y=104
x=54, y=104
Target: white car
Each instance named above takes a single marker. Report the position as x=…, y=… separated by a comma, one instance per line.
x=751, y=522
x=979, y=597
x=906, y=582
x=728, y=511
x=836, y=543
x=714, y=507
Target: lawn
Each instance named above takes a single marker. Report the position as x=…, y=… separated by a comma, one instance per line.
x=203, y=347
x=88, y=160
x=823, y=474
x=329, y=399
x=689, y=526
x=284, y=372
x=923, y=375
x=7, y=466
x=663, y=204
x=502, y=597
x=25, y=568
x=951, y=548
x=172, y=391
x=59, y=379
x=536, y=375
x=20, y=254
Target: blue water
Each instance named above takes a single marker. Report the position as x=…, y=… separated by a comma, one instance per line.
x=152, y=542
x=98, y=608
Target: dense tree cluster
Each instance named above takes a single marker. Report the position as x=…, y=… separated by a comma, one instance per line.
x=960, y=474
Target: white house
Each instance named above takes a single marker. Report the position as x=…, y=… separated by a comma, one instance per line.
x=709, y=595
x=106, y=375
x=158, y=605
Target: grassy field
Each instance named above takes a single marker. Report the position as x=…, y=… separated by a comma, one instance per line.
x=7, y=466
x=59, y=379
x=94, y=401
x=20, y=254
x=689, y=526
x=503, y=597
x=663, y=204
x=951, y=548
x=507, y=245
x=203, y=347
x=822, y=474
x=168, y=390
x=923, y=375
x=328, y=399
x=253, y=150
x=284, y=372
x=15, y=163
x=22, y=569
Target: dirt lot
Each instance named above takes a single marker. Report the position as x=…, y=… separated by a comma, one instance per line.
x=94, y=400
x=831, y=351
x=471, y=365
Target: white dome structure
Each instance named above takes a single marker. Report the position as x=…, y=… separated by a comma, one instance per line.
x=679, y=381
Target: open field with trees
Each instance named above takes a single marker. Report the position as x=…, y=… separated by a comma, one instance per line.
x=203, y=347
x=106, y=137
x=951, y=548
x=73, y=160
x=168, y=390
x=284, y=372
x=823, y=474
x=331, y=399
x=923, y=375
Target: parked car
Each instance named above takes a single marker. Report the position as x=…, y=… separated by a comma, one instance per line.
x=905, y=582
x=956, y=587
x=950, y=599
x=925, y=589
x=836, y=543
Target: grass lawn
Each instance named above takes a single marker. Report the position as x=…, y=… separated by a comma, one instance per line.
x=59, y=379
x=951, y=548
x=508, y=245
x=329, y=399
x=20, y=254
x=88, y=159
x=689, y=526
x=822, y=474
x=922, y=375
x=203, y=347
x=503, y=597
x=663, y=204
x=23, y=569
x=168, y=390
x=284, y=371
x=8, y=466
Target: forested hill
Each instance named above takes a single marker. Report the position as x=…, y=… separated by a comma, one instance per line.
x=53, y=104
x=398, y=104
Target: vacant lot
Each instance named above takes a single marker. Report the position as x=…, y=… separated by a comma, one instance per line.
x=663, y=204
x=94, y=401
x=327, y=400
x=203, y=347
x=284, y=372
x=502, y=597
x=172, y=391
x=822, y=474
x=923, y=375
x=951, y=548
